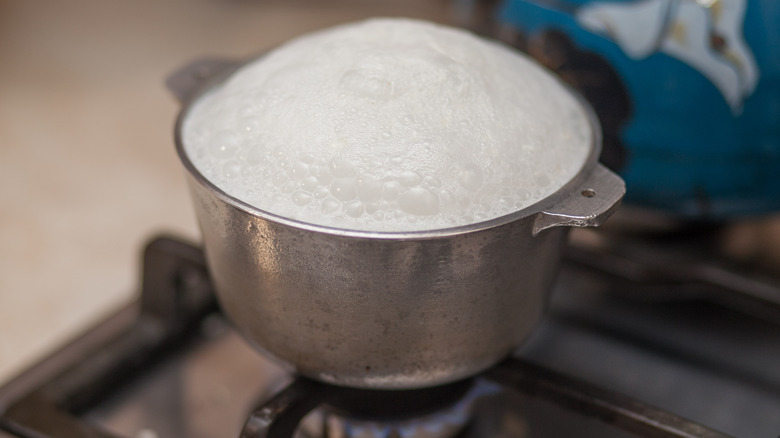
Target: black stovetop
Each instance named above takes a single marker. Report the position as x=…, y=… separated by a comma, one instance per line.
x=170, y=366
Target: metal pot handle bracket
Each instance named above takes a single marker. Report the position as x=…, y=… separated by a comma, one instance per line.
x=188, y=81
x=595, y=199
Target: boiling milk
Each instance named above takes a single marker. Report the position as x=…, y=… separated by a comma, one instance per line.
x=389, y=125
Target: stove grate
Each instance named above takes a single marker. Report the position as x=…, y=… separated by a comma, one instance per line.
x=46, y=401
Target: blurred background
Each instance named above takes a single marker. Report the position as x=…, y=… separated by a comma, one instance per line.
x=88, y=171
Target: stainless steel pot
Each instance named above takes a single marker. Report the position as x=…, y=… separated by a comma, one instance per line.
x=385, y=310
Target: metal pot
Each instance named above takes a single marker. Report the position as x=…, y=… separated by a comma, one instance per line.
x=389, y=310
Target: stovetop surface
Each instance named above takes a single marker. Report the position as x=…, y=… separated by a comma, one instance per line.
x=702, y=361
x=709, y=364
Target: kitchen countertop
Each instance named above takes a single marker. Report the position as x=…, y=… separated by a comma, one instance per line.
x=88, y=172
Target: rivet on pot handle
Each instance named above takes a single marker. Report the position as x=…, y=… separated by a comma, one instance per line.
x=188, y=81
x=594, y=200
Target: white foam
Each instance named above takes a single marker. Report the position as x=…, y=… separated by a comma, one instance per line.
x=389, y=125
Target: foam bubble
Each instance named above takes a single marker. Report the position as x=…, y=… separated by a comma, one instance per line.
x=389, y=125
x=224, y=144
x=344, y=189
x=470, y=177
x=302, y=198
x=419, y=202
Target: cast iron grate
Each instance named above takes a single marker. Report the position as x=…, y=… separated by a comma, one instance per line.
x=46, y=401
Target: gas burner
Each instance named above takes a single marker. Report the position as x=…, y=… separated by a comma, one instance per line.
x=77, y=391
x=437, y=412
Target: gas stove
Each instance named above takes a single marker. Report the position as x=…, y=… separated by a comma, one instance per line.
x=638, y=341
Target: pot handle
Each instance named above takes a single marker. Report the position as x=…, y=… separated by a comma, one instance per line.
x=594, y=200
x=186, y=82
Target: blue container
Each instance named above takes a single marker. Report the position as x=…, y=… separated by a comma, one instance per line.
x=688, y=93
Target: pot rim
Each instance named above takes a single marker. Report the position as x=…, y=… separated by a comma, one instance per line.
x=574, y=184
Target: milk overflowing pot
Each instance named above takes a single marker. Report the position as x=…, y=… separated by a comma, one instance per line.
x=389, y=125
x=383, y=204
